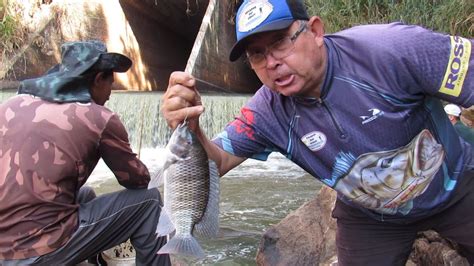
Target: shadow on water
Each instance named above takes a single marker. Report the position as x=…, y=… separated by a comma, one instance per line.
x=254, y=195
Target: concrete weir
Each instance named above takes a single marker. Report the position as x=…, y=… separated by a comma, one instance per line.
x=160, y=36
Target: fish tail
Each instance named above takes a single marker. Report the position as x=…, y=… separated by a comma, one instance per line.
x=185, y=245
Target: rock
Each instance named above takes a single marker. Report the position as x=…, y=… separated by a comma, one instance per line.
x=431, y=249
x=123, y=254
x=307, y=237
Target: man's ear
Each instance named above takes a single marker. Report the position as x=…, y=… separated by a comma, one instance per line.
x=98, y=78
x=316, y=26
x=96, y=83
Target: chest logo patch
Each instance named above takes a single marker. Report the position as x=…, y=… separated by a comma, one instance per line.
x=374, y=114
x=315, y=140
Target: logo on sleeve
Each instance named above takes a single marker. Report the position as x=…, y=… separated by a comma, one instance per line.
x=458, y=66
x=243, y=125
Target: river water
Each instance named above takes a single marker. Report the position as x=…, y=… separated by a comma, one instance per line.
x=254, y=195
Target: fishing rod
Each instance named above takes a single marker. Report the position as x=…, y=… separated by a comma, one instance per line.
x=216, y=88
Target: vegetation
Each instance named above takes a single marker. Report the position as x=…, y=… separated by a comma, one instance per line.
x=7, y=27
x=455, y=17
x=11, y=31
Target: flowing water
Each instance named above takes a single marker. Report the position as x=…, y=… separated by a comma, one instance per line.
x=254, y=195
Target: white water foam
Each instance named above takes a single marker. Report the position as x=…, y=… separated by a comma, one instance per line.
x=152, y=158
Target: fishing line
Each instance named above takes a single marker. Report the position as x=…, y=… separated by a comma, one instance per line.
x=187, y=113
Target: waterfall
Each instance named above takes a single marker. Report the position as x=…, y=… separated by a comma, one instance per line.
x=6, y=94
x=140, y=113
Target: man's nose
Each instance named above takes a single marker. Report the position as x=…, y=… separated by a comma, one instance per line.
x=270, y=60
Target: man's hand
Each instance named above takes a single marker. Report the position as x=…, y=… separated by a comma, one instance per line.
x=181, y=101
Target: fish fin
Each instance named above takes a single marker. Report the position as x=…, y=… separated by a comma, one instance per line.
x=185, y=245
x=156, y=180
x=165, y=225
x=209, y=224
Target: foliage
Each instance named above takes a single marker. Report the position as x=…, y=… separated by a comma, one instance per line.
x=11, y=30
x=455, y=17
x=7, y=27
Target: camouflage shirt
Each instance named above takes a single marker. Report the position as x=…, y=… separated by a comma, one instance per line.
x=47, y=152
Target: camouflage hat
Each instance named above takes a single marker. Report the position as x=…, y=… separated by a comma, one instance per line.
x=65, y=82
x=468, y=113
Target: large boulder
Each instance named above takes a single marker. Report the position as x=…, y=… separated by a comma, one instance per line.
x=307, y=237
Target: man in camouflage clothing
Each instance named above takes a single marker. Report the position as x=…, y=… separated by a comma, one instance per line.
x=52, y=135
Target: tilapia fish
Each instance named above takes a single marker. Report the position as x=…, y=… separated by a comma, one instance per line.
x=191, y=194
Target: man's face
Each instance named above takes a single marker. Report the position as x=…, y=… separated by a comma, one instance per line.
x=102, y=88
x=301, y=72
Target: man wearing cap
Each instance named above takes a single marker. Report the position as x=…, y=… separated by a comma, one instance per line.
x=52, y=135
x=360, y=110
x=454, y=113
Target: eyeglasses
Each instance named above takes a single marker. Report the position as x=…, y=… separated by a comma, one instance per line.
x=279, y=49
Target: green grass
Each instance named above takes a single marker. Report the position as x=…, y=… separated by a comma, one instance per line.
x=454, y=17
x=7, y=27
x=12, y=32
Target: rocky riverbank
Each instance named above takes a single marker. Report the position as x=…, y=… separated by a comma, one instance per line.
x=307, y=237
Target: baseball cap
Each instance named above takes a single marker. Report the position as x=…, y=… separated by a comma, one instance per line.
x=257, y=16
x=452, y=109
x=65, y=81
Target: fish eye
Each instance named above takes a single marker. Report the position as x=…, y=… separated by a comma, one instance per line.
x=386, y=163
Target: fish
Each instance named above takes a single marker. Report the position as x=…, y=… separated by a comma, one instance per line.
x=191, y=195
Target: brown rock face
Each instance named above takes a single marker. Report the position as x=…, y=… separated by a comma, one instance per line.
x=308, y=237
x=305, y=237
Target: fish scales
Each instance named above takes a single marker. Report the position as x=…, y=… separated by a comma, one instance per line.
x=189, y=188
x=191, y=194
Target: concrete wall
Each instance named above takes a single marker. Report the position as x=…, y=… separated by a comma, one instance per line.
x=209, y=57
x=159, y=36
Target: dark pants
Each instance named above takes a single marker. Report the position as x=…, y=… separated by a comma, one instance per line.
x=365, y=241
x=109, y=220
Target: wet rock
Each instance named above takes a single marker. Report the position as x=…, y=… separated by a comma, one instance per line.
x=307, y=237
